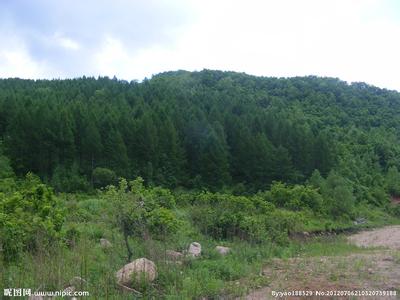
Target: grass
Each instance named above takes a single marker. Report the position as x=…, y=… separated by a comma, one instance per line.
x=327, y=246
x=210, y=276
x=396, y=256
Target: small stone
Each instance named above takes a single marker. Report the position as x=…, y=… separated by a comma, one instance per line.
x=194, y=249
x=173, y=255
x=69, y=289
x=104, y=243
x=223, y=250
x=77, y=281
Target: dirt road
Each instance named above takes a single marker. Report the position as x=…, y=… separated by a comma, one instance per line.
x=388, y=237
x=378, y=269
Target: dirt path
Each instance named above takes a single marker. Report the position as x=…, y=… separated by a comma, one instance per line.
x=377, y=269
x=388, y=237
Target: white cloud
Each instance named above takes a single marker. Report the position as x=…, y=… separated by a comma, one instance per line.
x=355, y=40
x=290, y=38
x=114, y=58
x=66, y=42
x=15, y=60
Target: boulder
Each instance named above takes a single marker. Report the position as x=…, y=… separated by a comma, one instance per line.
x=77, y=281
x=194, y=249
x=223, y=250
x=104, y=243
x=137, y=270
x=173, y=255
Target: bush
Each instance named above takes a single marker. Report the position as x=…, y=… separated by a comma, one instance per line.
x=29, y=215
x=393, y=181
x=297, y=197
x=219, y=215
x=103, y=177
x=139, y=211
x=162, y=196
x=5, y=167
x=250, y=218
x=69, y=180
x=338, y=196
x=162, y=222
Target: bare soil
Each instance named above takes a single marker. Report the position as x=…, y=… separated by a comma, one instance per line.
x=378, y=269
x=388, y=237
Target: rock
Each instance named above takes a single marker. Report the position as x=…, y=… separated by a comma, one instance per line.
x=306, y=234
x=223, y=250
x=104, y=243
x=77, y=281
x=139, y=269
x=69, y=289
x=70, y=243
x=359, y=221
x=194, y=249
x=388, y=258
x=173, y=255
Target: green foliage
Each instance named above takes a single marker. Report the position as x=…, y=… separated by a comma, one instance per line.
x=7, y=175
x=29, y=216
x=141, y=212
x=69, y=180
x=250, y=218
x=103, y=177
x=162, y=223
x=338, y=196
x=297, y=197
x=162, y=196
x=393, y=181
x=207, y=129
x=6, y=170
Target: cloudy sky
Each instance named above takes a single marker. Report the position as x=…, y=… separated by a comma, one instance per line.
x=355, y=40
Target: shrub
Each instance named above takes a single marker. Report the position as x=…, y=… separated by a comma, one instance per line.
x=250, y=218
x=393, y=181
x=297, y=197
x=5, y=167
x=139, y=211
x=338, y=196
x=69, y=180
x=162, y=196
x=27, y=214
x=162, y=222
x=103, y=177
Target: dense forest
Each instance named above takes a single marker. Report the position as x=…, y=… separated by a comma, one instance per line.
x=209, y=129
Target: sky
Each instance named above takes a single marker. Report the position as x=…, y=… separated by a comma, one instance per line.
x=354, y=40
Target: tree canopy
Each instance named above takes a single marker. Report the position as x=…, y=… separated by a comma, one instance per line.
x=208, y=129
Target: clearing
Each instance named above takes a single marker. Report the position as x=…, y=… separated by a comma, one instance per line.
x=375, y=268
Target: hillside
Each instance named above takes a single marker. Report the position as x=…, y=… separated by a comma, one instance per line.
x=202, y=129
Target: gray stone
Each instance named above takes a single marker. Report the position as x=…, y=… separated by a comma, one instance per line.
x=139, y=269
x=194, y=249
x=223, y=250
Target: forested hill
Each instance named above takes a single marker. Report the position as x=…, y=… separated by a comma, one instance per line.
x=207, y=129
